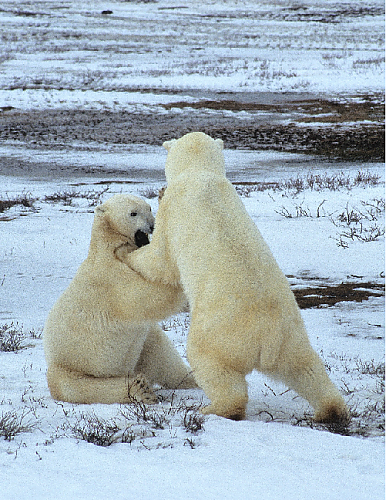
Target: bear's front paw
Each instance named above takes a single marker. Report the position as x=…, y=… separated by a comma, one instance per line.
x=139, y=390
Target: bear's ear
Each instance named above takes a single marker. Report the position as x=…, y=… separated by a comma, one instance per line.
x=169, y=144
x=99, y=210
x=220, y=143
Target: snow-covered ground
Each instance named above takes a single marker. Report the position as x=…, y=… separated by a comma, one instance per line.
x=267, y=455
x=215, y=45
x=68, y=55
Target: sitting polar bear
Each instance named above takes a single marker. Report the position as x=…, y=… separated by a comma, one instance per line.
x=101, y=338
x=243, y=313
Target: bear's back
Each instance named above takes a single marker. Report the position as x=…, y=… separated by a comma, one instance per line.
x=211, y=227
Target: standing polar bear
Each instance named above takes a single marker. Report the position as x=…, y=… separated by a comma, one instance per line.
x=243, y=313
x=101, y=339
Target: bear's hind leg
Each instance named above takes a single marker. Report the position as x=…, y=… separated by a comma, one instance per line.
x=228, y=392
x=75, y=387
x=225, y=387
x=305, y=373
x=161, y=363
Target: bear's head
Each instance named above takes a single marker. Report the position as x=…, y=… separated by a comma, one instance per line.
x=127, y=217
x=195, y=150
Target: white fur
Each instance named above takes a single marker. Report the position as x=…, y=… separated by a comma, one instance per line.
x=243, y=313
x=101, y=338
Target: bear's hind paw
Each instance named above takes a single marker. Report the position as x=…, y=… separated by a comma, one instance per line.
x=139, y=390
x=334, y=413
x=231, y=413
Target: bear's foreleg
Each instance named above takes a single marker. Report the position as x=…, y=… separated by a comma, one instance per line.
x=153, y=262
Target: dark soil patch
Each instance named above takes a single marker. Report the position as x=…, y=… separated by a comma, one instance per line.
x=356, y=143
x=332, y=294
x=343, y=136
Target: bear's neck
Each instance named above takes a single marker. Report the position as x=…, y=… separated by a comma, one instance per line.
x=105, y=240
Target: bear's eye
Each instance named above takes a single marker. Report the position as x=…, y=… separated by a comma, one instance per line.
x=133, y=214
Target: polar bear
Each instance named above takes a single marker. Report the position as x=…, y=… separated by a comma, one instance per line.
x=243, y=313
x=101, y=339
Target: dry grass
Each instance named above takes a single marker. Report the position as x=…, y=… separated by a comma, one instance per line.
x=13, y=423
x=24, y=200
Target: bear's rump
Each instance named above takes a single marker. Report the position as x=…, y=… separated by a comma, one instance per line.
x=243, y=334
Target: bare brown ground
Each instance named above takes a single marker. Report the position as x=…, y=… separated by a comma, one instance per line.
x=347, y=129
x=330, y=295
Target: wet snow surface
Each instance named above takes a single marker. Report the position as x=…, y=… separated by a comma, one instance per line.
x=88, y=92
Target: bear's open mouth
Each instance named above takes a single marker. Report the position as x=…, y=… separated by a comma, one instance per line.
x=141, y=238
